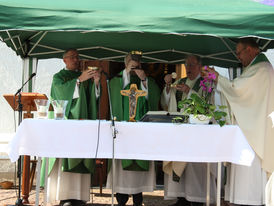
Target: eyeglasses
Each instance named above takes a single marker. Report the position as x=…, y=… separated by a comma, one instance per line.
x=239, y=52
x=190, y=65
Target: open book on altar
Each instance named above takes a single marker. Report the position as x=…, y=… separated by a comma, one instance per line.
x=162, y=116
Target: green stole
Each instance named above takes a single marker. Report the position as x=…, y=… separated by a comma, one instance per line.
x=120, y=109
x=259, y=58
x=84, y=107
x=196, y=87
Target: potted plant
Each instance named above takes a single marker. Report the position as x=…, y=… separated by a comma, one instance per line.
x=200, y=108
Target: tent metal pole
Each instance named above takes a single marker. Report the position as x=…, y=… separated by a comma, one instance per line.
x=266, y=44
x=35, y=35
x=29, y=67
x=228, y=60
x=116, y=57
x=208, y=184
x=228, y=47
x=220, y=53
x=47, y=47
x=37, y=42
x=218, y=199
x=11, y=40
x=42, y=53
x=21, y=46
x=101, y=47
x=90, y=57
x=155, y=59
x=159, y=51
x=114, y=50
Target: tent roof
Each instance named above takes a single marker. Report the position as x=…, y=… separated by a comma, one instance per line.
x=164, y=30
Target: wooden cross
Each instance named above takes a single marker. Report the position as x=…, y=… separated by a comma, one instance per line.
x=133, y=94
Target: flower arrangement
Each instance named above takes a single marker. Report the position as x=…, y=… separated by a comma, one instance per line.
x=202, y=105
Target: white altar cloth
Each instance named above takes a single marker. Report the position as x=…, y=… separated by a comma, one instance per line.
x=142, y=140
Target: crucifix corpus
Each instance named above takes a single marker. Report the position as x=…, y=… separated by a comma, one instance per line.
x=133, y=94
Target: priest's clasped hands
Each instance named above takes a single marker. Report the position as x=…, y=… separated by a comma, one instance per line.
x=135, y=67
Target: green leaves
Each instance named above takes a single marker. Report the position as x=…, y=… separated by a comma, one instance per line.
x=221, y=123
x=177, y=120
x=200, y=109
x=198, y=105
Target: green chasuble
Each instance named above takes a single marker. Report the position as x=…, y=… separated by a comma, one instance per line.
x=120, y=109
x=196, y=87
x=83, y=107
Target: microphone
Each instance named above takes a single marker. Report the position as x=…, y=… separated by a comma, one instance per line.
x=19, y=90
x=31, y=76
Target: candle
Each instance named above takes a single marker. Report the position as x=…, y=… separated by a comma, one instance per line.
x=59, y=110
x=42, y=111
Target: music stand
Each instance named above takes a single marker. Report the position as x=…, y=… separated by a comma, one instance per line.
x=28, y=105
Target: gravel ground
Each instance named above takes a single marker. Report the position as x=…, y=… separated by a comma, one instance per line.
x=156, y=198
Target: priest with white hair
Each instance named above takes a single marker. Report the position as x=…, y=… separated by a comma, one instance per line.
x=186, y=181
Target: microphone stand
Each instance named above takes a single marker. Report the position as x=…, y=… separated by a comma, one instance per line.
x=19, y=201
x=114, y=132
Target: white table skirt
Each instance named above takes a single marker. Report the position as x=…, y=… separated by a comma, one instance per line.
x=142, y=140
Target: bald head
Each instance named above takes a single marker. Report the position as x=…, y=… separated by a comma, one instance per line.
x=193, y=66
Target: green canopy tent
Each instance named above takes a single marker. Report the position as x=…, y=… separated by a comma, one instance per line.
x=166, y=31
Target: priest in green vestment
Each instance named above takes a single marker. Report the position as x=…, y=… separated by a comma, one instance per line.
x=250, y=100
x=69, y=179
x=132, y=176
x=186, y=181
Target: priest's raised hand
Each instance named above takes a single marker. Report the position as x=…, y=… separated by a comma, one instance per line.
x=90, y=74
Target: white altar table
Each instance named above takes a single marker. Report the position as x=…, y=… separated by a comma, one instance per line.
x=142, y=140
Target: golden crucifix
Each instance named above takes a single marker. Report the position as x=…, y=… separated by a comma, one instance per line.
x=133, y=94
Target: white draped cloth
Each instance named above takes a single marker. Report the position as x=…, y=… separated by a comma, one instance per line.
x=189, y=143
x=67, y=185
x=269, y=191
x=246, y=185
x=192, y=184
x=250, y=100
x=131, y=182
